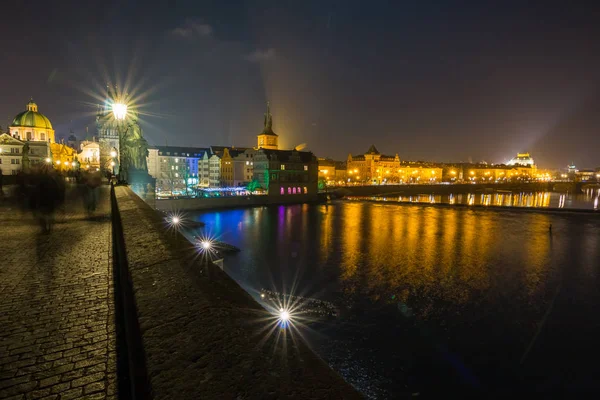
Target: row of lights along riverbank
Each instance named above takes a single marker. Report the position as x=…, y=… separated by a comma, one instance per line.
x=205, y=245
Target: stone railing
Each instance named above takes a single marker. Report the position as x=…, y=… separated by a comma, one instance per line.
x=201, y=335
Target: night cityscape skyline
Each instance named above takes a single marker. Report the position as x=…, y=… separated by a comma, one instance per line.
x=447, y=83
x=318, y=199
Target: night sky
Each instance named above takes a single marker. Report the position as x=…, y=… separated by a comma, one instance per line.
x=440, y=81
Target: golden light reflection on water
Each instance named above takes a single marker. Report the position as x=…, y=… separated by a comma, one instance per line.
x=498, y=199
x=425, y=254
x=326, y=238
x=351, y=238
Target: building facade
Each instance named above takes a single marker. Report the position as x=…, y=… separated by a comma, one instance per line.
x=29, y=142
x=31, y=125
x=174, y=168
x=243, y=167
x=89, y=156
x=522, y=159
x=10, y=154
x=210, y=167
x=371, y=167
x=287, y=172
x=63, y=156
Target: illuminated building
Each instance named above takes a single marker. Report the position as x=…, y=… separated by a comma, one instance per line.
x=209, y=167
x=32, y=125
x=89, y=156
x=237, y=165
x=416, y=173
x=243, y=166
x=522, y=159
x=371, y=167
x=286, y=173
x=10, y=154
x=585, y=175
x=30, y=128
x=175, y=168
x=268, y=139
x=212, y=170
x=62, y=156
x=488, y=173
x=333, y=172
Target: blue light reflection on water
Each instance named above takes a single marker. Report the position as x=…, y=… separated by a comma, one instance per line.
x=474, y=283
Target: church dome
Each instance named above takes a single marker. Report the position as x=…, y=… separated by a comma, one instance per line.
x=32, y=118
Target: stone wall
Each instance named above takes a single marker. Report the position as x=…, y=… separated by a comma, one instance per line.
x=230, y=202
x=203, y=336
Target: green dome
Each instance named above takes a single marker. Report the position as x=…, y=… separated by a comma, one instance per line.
x=32, y=118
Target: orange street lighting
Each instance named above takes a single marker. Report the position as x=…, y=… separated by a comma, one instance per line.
x=119, y=111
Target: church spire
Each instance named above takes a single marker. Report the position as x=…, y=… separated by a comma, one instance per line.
x=268, y=124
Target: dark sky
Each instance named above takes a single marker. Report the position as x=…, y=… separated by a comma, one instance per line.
x=429, y=80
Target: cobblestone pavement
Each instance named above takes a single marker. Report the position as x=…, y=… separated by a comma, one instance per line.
x=57, y=330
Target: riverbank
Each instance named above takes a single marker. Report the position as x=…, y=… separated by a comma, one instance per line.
x=213, y=203
x=202, y=336
x=459, y=188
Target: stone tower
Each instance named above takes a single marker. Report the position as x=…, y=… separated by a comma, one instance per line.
x=268, y=139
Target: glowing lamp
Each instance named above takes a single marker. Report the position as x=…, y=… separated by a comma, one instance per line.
x=58, y=162
x=205, y=244
x=48, y=160
x=175, y=220
x=113, y=153
x=119, y=111
x=112, y=163
x=284, y=315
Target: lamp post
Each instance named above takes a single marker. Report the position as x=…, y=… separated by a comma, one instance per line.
x=120, y=114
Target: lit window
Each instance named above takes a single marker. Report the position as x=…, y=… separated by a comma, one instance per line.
x=176, y=175
x=299, y=191
x=247, y=162
x=283, y=167
x=289, y=190
x=294, y=190
x=42, y=136
x=305, y=190
x=306, y=167
x=177, y=160
x=281, y=191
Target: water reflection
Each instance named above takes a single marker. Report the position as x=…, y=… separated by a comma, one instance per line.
x=587, y=200
x=480, y=280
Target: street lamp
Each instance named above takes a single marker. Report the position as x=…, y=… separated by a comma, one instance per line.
x=120, y=113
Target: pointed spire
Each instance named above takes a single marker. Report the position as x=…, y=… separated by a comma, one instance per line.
x=372, y=150
x=268, y=123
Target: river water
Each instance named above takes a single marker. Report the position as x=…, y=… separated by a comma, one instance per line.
x=432, y=299
x=589, y=200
